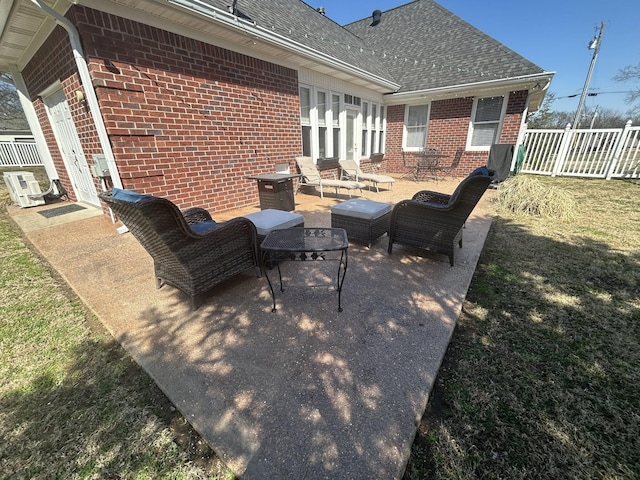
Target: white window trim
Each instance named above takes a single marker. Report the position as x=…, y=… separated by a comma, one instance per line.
x=404, y=126
x=382, y=141
x=311, y=116
x=472, y=148
x=374, y=130
x=366, y=126
x=328, y=123
x=375, y=127
x=341, y=122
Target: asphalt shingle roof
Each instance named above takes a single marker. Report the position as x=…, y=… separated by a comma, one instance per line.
x=301, y=23
x=419, y=45
x=426, y=46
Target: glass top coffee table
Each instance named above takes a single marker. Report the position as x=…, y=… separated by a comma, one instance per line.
x=304, y=244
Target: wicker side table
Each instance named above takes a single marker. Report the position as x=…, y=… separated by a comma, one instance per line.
x=364, y=220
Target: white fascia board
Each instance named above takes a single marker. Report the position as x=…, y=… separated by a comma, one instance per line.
x=524, y=82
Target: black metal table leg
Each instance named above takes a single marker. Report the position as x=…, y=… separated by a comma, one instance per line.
x=266, y=257
x=341, y=265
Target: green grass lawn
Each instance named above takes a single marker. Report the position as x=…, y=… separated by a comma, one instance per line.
x=72, y=403
x=541, y=378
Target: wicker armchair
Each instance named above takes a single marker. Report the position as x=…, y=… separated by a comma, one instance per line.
x=190, y=251
x=434, y=221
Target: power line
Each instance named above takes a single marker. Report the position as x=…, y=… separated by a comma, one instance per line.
x=593, y=94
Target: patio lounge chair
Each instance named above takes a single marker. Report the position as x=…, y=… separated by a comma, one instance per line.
x=190, y=251
x=434, y=221
x=311, y=177
x=351, y=170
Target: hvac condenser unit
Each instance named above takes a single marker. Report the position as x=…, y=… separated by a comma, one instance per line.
x=24, y=190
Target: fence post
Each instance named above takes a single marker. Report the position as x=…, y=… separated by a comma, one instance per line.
x=567, y=136
x=617, y=150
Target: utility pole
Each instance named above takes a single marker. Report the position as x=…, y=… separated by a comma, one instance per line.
x=593, y=119
x=595, y=46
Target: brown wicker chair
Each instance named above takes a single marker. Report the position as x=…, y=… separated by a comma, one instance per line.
x=190, y=251
x=434, y=221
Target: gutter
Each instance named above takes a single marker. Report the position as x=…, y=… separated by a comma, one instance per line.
x=85, y=81
x=251, y=29
x=400, y=98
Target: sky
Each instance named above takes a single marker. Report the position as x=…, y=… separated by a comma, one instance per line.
x=553, y=34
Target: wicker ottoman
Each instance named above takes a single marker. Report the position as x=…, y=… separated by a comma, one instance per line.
x=271, y=219
x=364, y=220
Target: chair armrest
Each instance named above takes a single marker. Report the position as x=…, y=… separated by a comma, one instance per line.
x=196, y=215
x=416, y=205
x=431, y=197
x=225, y=233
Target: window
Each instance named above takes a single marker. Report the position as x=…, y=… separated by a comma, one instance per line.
x=305, y=120
x=335, y=123
x=322, y=124
x=375, y=122
x=383, y=122
x=486, y=120
x=372, y=128
x=352, y=100
x=365, y=128
x=416, y=118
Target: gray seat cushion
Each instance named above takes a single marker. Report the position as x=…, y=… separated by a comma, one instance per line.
x=270, y=219
x=360, y=208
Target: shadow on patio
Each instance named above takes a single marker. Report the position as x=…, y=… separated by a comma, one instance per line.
x=305, y=392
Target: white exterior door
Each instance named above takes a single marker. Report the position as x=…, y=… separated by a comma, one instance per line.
x=353, y=135
x=69, y=144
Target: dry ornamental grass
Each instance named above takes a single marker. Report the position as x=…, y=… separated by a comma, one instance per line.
x=529, y=195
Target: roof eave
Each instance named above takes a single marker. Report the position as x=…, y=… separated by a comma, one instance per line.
x=536, y=84
x=297, y=54
x=17, y=53
x=262, y=34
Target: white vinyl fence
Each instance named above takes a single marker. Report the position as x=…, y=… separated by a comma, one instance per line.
x=599, y=153
x=19, y=153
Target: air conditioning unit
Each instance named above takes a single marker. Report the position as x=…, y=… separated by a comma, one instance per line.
x=24, y=190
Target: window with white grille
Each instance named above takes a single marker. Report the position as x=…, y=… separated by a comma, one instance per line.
x=486, y=121
x=415, y=127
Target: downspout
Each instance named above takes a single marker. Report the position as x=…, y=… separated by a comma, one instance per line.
x=85, y=81
x=521, y=133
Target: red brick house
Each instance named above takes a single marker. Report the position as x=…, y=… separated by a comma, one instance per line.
x=186, y=98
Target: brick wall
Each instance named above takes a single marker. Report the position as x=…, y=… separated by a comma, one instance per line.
x=186, y=120
x=190, y=121
x=393, y=141
x=448, y=130
x=513, y=117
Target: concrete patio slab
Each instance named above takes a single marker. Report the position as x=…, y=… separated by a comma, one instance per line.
x=305, y=392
